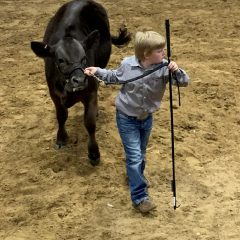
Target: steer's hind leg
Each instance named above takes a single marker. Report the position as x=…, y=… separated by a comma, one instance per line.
x=90, y=124
x=62, y=115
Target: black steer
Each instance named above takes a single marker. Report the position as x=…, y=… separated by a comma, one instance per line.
x=76, y=37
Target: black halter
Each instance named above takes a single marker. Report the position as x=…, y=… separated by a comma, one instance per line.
x=76, y=66
x=81, y=65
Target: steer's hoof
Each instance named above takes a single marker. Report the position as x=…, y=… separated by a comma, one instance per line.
x=58, y=146
x=94, y=160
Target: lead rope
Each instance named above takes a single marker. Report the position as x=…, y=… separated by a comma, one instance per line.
x=179, y=94
x=102, y=83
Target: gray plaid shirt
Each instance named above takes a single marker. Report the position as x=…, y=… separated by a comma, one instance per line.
x=145, y=94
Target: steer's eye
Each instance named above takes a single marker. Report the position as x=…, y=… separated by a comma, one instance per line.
x=84, y=61
x=60, y=60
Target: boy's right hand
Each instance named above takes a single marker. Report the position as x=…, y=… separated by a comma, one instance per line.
x=173, y=66
x=90, y=71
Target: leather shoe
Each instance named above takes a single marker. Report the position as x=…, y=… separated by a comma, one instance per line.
x=145, y=206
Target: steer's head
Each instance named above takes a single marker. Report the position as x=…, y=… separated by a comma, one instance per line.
x=70, y=57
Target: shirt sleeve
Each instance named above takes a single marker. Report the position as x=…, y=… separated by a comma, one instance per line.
x=180, y=78
x=111, y=76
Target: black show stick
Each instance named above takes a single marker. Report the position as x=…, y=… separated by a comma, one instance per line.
x=173, y=182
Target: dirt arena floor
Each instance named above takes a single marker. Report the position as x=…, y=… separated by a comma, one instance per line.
x=47, y=194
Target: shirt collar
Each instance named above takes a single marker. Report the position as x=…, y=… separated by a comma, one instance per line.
x=135, y=63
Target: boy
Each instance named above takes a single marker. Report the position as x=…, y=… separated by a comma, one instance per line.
x=135, y=103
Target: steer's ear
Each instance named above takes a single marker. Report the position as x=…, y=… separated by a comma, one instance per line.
x=92, y=40
x=41, y=49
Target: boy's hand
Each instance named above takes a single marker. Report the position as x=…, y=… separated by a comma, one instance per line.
x=90, y=71
x=173, y=66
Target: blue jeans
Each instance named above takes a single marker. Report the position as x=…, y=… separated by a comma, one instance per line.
x=135, y=134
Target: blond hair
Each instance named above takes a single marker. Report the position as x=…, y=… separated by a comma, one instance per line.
x=146, y=42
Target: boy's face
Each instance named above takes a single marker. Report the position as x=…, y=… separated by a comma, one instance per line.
x=156, y=56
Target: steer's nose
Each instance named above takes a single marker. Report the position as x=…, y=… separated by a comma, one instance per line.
x=78, y=82
x=75, y=80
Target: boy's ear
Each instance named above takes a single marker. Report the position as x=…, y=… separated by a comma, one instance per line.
x=92, y=40
x=146, y=54
x=41, y=49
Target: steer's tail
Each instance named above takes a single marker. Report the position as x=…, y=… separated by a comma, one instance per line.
x=123, y=38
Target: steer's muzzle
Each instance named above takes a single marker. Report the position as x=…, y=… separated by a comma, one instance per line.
x=77, y=81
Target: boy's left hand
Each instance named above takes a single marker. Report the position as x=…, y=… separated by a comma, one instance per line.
x=173, y=66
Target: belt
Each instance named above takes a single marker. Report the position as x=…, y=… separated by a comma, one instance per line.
x=143, y=116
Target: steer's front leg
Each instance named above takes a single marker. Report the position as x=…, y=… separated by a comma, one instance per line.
x=62, y=115
x=90, y=114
